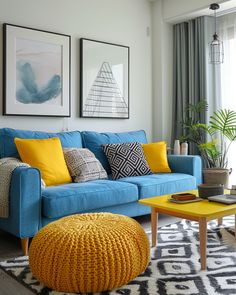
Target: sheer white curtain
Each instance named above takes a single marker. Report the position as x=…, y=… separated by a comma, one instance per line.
x=227, y=32
x=212, y=72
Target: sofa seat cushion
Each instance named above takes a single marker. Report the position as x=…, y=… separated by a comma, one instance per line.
x=73, y=198
x=161, y=183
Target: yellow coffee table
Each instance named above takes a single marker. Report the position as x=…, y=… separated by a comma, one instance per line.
x=201, y=212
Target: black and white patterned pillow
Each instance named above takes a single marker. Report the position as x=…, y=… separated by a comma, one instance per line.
x=83, y=165
x=126, y=159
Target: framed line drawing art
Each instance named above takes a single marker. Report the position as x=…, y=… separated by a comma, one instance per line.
x=104, y=80
x=36, y=77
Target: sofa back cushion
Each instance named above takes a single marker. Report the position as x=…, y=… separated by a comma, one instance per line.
x=94, y=141
x=8, y=147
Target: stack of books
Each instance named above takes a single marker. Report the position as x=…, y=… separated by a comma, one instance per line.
x=184, y=198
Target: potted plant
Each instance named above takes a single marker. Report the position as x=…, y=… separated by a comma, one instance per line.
x=213, y=140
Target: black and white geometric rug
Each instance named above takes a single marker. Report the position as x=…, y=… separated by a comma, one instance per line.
x=174, y=267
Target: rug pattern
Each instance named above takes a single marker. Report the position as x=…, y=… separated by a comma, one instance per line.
x=174, y=268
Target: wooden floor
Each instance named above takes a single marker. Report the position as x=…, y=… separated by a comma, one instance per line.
x=10, y=247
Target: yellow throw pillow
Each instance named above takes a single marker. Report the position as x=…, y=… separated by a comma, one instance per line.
x=156, y=156
x=47, y=156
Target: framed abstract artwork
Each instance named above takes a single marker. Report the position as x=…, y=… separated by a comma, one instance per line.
x=36, y=72
x=104, y=77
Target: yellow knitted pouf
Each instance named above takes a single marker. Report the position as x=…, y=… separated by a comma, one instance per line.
x=91, y=252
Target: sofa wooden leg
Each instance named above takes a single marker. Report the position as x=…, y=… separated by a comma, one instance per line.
x=25, y=245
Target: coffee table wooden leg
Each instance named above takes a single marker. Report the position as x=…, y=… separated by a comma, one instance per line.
x=154, y=217
x=203, y=241
x=220, y=221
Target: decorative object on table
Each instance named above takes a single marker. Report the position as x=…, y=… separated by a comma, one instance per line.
x=91, y=252
x=213, y=139
x=36, y=72
x=83, y=165
x=216, y=47
x=184, y=148
x=176, y=147
x=126, y=159
x=208, y=190
x=174, y=264
x=104, y=74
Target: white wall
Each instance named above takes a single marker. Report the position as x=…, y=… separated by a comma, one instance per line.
x=162, y=73
x=116, y=21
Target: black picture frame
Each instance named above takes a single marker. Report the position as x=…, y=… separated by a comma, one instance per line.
x=49, y=98
x=104, y=80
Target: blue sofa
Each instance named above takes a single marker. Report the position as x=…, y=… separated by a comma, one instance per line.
x=32, y=207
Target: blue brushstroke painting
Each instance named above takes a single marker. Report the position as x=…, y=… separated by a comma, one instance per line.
x=30, y=92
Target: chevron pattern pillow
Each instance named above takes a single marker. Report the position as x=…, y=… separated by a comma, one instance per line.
x=126, y=159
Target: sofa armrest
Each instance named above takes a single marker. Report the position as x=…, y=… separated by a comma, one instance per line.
x=25, y=202
x=186, y=164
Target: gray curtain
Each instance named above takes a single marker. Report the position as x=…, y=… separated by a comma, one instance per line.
x=190, y=62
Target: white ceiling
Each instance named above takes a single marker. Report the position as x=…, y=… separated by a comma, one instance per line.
x=226, y=6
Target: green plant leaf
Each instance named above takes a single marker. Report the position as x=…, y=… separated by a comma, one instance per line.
x=208, y=129
x=225, y=122
x=202, y=105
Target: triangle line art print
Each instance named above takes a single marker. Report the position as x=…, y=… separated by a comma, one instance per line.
x=105, y=98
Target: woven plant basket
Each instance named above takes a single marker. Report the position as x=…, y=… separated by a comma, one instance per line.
x=217, y=176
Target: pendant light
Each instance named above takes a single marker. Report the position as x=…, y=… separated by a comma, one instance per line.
x=216, y=49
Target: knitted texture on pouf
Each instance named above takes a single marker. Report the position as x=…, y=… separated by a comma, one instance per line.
x=91, y=252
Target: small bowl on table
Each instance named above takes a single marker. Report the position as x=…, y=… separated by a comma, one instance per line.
x=207, y=190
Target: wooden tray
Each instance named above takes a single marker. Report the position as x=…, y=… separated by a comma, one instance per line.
x=185, y=202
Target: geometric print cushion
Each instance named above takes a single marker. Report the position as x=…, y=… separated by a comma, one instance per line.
x=82, y=165
x=126, y=159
